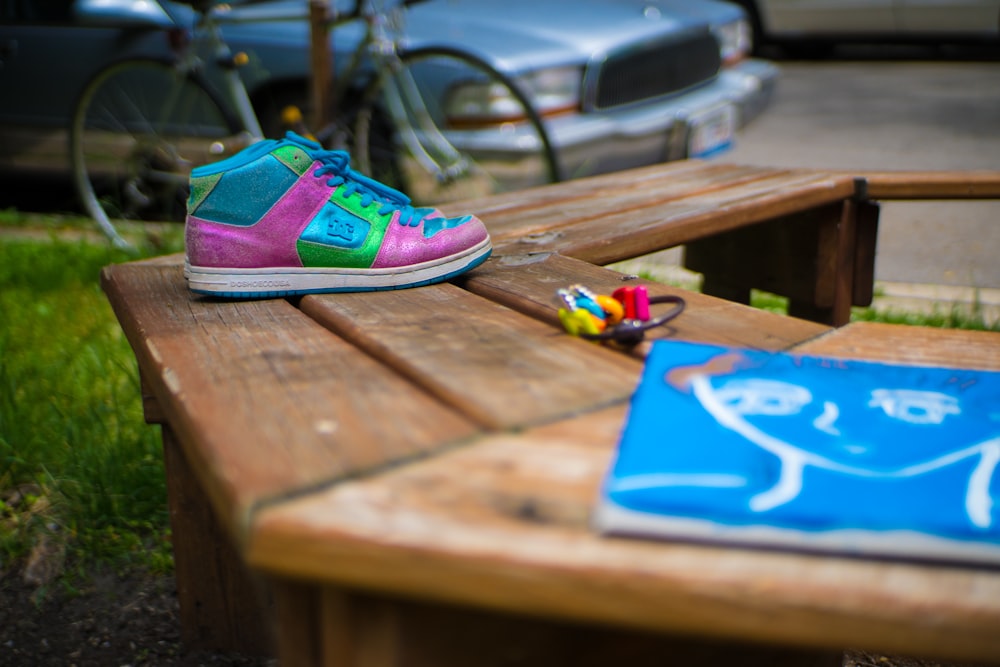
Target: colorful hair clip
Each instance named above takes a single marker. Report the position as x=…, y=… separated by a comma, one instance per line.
x=622, y=318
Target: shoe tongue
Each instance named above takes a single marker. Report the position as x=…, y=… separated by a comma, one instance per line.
x=381, y=190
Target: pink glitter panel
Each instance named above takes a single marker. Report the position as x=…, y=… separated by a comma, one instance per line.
x=404, y=245
x=267, y=243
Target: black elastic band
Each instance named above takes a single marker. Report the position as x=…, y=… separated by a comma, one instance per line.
x=631, y=332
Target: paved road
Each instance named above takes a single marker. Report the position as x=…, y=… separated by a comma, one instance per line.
x=912, y=114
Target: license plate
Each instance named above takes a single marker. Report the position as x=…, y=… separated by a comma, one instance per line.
x=711, y=132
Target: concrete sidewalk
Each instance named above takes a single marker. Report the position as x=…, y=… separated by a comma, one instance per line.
x=920, y=298
x=870, y=114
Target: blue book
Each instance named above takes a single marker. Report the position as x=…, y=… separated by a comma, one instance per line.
x=780, y=450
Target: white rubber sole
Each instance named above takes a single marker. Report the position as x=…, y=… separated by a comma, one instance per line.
x=290, y=281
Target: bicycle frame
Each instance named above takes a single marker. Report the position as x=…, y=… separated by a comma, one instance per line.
x=404, y=103
x=230, y=62
x=379, y=43
x=389, y=124
x=403, y=99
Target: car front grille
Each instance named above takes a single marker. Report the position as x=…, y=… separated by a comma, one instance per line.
x=653, y=69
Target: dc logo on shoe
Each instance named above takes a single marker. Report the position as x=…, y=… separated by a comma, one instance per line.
x=337, y=227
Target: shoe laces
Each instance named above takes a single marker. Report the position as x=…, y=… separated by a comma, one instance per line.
x=338, y=165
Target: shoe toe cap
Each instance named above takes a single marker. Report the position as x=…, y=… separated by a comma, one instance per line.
x=433, y=239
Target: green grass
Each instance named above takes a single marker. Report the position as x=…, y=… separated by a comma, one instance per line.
x=948, y=317
x=77, y=461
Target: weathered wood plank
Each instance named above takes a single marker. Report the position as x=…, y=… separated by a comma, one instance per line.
x=696, y=175
x=542, y=209
x=297, y=609
x=504, y=525
x=903, y=344
x=864, y=252
x=223, y=606
x=528, y=284
x=796, y=256
x=822, y=259
x=607, y=235
x=492, y=364
x=266, y=401
x=971, y=184
x=381, y=631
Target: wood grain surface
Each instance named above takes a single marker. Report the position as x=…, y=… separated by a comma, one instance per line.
x=888, y=185
x=904, y=344
x=528, y=284
x=603, y=230
x=265, y=401
x=492, y=364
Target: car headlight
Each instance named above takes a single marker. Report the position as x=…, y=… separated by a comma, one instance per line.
x=484, y=103
x=735, y=39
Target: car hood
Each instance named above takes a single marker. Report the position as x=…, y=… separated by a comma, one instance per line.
x=519, y=35
x=522, y=34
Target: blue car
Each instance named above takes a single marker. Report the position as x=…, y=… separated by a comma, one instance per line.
x=618, y=83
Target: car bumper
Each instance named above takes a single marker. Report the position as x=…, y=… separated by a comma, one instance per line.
x=599, y=142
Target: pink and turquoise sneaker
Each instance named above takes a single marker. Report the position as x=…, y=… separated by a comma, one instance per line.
x=285, y=217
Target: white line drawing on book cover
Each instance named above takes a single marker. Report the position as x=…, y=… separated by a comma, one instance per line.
x=739, y=401
x=734, y=401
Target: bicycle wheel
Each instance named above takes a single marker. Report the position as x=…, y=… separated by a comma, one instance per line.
x=442, y=125
x=139, y=128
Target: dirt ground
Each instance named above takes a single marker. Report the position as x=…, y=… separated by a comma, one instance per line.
x=131, y=619
x=111, y=621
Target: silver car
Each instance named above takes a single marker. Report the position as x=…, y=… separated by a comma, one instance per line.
x=620, y=83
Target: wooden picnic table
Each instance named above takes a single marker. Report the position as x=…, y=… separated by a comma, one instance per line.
x=406, y=478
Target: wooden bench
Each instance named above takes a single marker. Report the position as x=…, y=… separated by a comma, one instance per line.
x=828, y=266
x=405, y=478
x=796, y=232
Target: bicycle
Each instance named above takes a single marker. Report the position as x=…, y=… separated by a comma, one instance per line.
x=142, y=123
